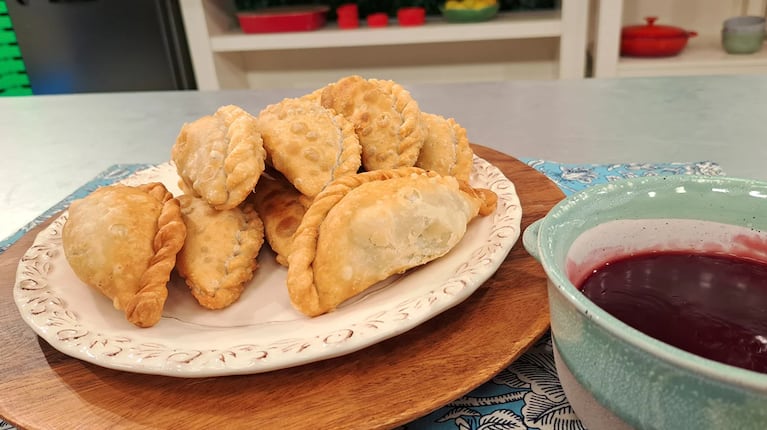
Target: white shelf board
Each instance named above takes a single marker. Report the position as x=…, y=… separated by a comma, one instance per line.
x=703, y=55
x=507, y=25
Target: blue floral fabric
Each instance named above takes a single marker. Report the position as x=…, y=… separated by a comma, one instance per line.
x=527, y=394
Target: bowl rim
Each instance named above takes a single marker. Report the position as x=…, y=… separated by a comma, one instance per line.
x=716, y=370
x=744, y=21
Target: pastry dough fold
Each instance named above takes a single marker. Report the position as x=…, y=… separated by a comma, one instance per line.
x=123, y=241
x=385, y=117
x=220, y=157
x=364, y=228
x=219, y=255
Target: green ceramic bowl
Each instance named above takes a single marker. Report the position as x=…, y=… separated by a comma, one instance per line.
x=470, y=15
x=613, y=375
x=735, y=42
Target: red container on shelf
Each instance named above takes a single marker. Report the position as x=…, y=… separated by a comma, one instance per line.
x=379, y=19
x=653, y=40
x=283, y=18
x=407, y=16
x=348, y=16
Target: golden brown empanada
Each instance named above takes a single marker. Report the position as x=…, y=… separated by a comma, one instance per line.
x=385, y=117
x=314, y=96
x=123, y=241
x=364, y=228
x=279, y=206
x=220, y=157
x=219, y=255
x=309, y=144
x=446, y=149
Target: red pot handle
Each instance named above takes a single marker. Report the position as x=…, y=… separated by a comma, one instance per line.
x=651, y=21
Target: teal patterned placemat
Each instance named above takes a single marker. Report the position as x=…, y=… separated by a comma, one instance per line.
x=527, y=395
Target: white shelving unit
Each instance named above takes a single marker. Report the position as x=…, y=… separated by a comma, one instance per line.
x=217, y=44
x=703, y=54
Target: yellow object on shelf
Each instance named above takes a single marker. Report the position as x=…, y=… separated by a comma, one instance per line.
x=469, y=4
x=470, y=10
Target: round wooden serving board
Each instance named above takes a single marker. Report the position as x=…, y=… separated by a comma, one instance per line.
x=382, y=386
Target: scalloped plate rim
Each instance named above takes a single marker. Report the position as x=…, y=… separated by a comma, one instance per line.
x=48, y=314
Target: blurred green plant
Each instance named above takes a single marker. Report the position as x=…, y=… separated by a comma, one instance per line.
x=13, y=73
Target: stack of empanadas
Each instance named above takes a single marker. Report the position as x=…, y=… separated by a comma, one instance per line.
x=125, y=241
x=348, y=185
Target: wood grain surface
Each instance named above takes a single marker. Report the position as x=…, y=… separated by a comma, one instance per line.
x=382, y=386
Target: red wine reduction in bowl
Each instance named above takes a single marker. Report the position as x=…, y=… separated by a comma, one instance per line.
x=714, y=306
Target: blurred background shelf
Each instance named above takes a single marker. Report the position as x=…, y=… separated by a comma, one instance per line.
x=702, y=56
x=534, y=44
x=508, y=25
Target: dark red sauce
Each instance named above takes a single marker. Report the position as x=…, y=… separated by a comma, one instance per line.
x=714, y=306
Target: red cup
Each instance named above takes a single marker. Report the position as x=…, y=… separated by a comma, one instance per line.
x=408, y=16
x=379, y=19
x=348, y=23
x=348, y=16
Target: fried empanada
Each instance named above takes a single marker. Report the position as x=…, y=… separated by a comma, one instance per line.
x=280, y=208
x=219, y=255
x=309, y=144
x=385, y=117
x=123, y=241
x=220, y=157
x=314, y=96
x=364, y=228
x=446, y=149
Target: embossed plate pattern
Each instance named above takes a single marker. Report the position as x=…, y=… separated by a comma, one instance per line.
x=260, y=332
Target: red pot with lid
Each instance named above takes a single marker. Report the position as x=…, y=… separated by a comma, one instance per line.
x=651, y=40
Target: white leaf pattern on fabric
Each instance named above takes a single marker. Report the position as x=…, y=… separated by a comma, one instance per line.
x=462, y=424
x=585, y=176
x=541, y=413
x=510, y=379
x=456, y=413
x=537, y=368
x=501, y=419
x=468, y=401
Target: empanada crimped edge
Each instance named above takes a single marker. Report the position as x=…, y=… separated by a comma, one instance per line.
x=412, y=132
x=302, y=289
x=145, y=308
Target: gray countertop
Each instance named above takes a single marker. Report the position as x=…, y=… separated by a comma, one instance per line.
x=51, y=145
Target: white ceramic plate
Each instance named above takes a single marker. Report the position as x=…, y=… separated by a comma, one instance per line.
x=261, y=331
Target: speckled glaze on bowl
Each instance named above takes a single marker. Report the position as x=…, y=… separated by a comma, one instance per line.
x=614, y=375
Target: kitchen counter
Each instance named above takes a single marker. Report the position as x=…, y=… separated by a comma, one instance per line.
x=54, y=144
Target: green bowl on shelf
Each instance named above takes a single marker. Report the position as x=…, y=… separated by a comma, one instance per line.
x=470, y=15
